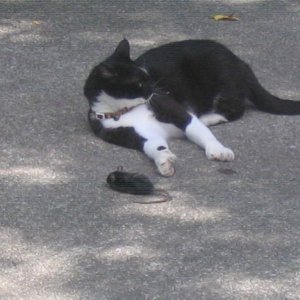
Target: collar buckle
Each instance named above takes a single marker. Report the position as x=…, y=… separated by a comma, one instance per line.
x=100, y=116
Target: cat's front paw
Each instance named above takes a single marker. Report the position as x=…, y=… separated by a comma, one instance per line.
x=165, y=163
x=216, y=151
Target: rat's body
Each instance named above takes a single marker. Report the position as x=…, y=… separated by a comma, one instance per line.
x=136, y=184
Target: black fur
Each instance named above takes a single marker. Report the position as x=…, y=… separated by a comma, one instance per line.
x=201, y=75
x=167, y=110
x=118, y=76
x=121, y=136
x=130, y=183
x=160, y=148
x=136, y=184
x=207, y=76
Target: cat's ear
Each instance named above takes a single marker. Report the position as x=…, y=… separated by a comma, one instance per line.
x=106, y=71
x=122, y=50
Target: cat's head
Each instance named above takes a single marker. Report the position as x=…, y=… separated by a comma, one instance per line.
x=119, y=77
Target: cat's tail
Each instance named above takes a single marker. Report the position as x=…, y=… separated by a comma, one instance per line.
x=266, y=102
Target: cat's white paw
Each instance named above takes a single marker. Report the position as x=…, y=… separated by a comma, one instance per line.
x=164, y=163
x=216, y=151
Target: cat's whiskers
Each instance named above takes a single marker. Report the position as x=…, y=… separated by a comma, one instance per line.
x=156, y=82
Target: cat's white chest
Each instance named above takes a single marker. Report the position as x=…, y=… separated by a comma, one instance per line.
x=140, y=117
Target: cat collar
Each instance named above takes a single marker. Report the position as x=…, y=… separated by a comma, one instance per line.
x=113, y=115
x=116, y=115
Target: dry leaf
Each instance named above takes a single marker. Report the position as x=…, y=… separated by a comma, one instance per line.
x=225, y=18
x=35, y=22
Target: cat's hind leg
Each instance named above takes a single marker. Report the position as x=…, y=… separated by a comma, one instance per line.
x=228, y=106
x=211, y=119
x=230, y=103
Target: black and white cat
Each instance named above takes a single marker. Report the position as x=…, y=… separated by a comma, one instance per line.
x=174, y=90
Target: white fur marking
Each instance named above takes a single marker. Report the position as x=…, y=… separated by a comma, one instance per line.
x=144, y=123
x=163, y=158
x=212, y=119
x=197, y=132
x=216, y=151
x=144, y=70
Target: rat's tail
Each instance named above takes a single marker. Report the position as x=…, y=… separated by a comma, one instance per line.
x=165, y=197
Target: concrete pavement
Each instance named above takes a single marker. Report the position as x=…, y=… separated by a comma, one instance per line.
x=64, y=235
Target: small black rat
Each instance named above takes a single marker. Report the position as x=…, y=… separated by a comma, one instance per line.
x=136, y=184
